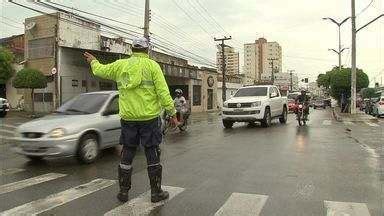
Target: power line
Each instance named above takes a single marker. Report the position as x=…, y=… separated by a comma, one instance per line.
x=202, y=16
x=10, y=25
x=96, y=15
x=364, y=9
x=190, y=17
x=170, y=43
x=214, y=20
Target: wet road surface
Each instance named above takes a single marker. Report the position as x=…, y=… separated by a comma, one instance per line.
x=324, y=168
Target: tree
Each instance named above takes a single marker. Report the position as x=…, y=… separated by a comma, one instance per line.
x=28, y=78
x=369, y=93
x=6, y=69
x=340, y=82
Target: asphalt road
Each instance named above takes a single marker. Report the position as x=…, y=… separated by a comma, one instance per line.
x=324, y=168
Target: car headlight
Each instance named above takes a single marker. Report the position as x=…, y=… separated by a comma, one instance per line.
x=56, y=133
x=256, y=104
x=225, y=104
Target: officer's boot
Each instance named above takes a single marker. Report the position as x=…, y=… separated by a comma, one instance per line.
x=124, y=176
x=154, y=174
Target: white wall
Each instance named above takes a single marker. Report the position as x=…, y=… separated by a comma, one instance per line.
x=12, y=93
x=231, y=89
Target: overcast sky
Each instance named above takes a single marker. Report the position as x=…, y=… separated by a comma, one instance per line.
x=295, y=24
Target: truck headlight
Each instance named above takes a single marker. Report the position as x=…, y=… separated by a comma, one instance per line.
x=57, y=133
x=256, y=104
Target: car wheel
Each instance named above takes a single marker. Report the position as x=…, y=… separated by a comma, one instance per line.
x=228, y=124
x=267, y=120
x=34, y=158
x=284, y=116
x=88, y=150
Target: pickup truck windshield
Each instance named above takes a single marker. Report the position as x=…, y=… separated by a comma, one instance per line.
x=257, y=91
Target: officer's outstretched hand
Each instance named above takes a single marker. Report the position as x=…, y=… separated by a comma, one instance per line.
x=174, y=122
x=89, y=57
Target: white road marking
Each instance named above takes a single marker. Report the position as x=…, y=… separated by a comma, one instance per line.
x=346, y=209
x=29, y=182
x=142, y=204
x=10, y=171
x=7, y=131
x=9, y=126
x=55, y=200
x=348, y=123
x=327, y=122
x=372, y=124
x=242, y=204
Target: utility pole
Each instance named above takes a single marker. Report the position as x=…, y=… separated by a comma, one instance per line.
x=223, y=65
x=146, y=20
x=353, y=76
x=273, y=69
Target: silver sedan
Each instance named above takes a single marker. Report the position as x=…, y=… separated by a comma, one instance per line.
x=81, y=127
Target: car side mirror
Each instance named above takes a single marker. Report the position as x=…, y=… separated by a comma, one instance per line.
x=273, y=94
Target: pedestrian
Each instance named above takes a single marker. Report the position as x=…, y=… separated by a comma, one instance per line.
x=143, y=92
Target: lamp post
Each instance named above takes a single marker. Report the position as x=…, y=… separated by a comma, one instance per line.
x=339, y=24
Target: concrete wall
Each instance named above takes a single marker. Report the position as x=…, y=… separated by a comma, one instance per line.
x=13, y=95
x=231, y=90
x=77, y=33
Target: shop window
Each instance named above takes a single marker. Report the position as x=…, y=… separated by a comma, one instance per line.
x=196, y=95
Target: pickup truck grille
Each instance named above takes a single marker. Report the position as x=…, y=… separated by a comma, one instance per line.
x=241, y=113
x=243, y=105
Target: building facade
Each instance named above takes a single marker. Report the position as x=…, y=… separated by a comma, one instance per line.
x=231, y=59
x=257, y=61
x=55, y=45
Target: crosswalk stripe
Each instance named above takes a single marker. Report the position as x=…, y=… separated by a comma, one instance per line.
x=29, y=182
x=9, y=126
x=10, y=171
x=372, y=124
x=7, y=131
x=348, y=122
x=346, y=209
x=242, y=204
x=327, y=122
x=142, y=204
x=55, y=200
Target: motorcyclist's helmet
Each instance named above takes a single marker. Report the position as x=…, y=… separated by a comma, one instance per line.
x=179, y=92
x=303, y=91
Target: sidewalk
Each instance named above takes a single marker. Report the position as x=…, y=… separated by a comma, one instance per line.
x=358, y=117
x=23, y=114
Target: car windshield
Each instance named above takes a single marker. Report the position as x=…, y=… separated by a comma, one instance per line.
x=83, y=104
x=257, y=91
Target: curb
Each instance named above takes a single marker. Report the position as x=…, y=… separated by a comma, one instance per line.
x=338, y=118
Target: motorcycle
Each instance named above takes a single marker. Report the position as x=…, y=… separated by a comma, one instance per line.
x=301, y=116
x=166, y=122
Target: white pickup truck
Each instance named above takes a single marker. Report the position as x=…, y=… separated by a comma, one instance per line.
x=255, y=103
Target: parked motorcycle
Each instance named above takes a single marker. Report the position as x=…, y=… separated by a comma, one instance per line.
x=301, y=116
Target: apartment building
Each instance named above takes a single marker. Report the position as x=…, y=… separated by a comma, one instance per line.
x=257, y=61
x=231, y=59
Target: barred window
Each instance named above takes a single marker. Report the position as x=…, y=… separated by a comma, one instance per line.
x=41, y=48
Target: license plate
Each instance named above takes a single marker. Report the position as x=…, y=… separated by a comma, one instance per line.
x=239, y=110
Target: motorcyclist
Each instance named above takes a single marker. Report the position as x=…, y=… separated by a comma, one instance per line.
x=303, y=98
x=180, y=105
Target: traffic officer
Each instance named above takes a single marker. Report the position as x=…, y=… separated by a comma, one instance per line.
x=143, y=92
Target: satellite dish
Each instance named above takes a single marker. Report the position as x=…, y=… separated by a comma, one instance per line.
x=30, y=26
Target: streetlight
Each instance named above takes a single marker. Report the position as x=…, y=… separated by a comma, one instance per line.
x=339, y=28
